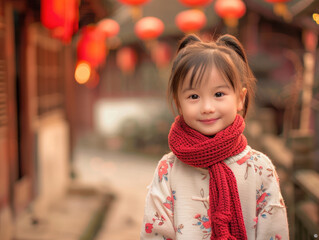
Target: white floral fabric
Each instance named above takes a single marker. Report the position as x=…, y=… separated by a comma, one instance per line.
x=177, y=203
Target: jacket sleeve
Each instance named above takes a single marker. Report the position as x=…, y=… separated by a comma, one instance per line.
x=271, y=220
x=158, y=213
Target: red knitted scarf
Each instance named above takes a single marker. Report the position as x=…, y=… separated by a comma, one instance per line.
x=198, y=150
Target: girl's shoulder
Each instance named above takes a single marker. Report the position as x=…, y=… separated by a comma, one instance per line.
x=259, y=158
x=264, y=169
x=168, y=159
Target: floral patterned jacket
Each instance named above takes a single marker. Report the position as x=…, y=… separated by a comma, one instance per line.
x=177, y=202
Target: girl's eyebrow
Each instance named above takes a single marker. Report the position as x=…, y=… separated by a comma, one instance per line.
x=188, y=89
x=217, y=87
x=222, y=86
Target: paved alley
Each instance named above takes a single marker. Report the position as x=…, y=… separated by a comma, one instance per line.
x=127, y=176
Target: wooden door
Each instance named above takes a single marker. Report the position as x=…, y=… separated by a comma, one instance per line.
x=4, y=164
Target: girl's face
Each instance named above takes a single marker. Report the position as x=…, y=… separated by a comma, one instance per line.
x=210, y=107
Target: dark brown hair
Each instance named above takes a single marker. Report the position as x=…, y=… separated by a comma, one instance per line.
x=197, y=58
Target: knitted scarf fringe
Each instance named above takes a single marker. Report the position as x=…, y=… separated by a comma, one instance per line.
x=198, y=150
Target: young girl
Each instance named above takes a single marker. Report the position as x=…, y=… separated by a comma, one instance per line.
x=213, y=185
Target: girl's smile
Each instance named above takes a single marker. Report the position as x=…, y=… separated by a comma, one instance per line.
x=208, y=121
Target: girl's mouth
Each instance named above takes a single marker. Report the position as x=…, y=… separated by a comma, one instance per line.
x=208, y=121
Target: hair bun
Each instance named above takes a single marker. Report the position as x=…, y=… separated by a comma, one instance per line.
x=191, y=38
x=233, y=43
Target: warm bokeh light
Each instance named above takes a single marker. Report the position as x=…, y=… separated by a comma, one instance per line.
x=149, y=28
x=230, y=11
x=61, y=17
x=91, y=46
x=126, y=59
x=161, y=54
x=82, y=72
x=315, y=17
x=195, y=3
x=108, y=28
x=190, y=20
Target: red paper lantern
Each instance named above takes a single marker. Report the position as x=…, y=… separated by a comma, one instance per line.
x=190, y=20
x=91, y=47
x=149, y=28
x=126, y=59
x=108, y=28
x=230, y=11
x=195, y=3
x=52, y=13
x=61, y=17
x=133, y=2
x=161, y=54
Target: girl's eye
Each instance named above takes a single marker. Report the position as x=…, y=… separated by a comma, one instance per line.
x=193, y=96
x=219, y=94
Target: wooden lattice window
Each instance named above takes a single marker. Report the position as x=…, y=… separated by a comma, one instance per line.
x=3, y=77
x=50, y=75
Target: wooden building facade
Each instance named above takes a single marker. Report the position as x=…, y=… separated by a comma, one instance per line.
x=35, y=80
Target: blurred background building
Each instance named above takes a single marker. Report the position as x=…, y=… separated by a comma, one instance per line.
x=93, y=73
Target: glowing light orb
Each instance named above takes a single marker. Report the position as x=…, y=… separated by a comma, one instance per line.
x=82, y=72
x=315, y=17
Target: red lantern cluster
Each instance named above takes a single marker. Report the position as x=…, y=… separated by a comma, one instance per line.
x=190, y=20
x=149, y=28
x=230, y=11
x=61, y=17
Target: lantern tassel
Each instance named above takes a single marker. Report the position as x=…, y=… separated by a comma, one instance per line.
x=280, y=9
x=231, y=22
x=136, y=13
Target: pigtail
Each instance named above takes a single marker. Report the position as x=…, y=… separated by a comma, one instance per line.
x=191, y=38
x=249, y=81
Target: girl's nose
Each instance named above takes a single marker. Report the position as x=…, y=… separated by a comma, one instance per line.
x=207, y=107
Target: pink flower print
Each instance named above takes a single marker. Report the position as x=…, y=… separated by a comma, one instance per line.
x=162, y=170
x=207, y=224
x=278, y=237
x=204, y=223
x=244, y=159
x=169, y=203
x=159, y=219
x=148, y=227
x=179, y=228
x=261, y=198
x=256, y=221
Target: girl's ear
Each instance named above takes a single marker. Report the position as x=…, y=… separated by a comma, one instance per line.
x=241, y=99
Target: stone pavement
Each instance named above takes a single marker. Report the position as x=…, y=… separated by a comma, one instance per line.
x=74, y=217
x=107, y=195
x=127, y=177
